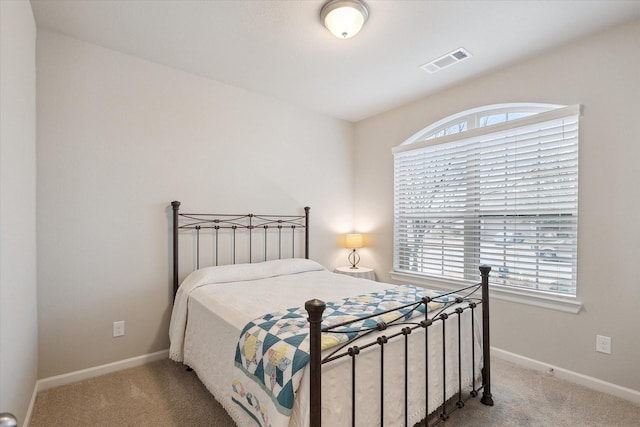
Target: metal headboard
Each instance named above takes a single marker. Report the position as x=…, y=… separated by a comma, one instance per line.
x=251, y=223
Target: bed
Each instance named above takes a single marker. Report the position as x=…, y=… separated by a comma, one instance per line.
x=358, y=352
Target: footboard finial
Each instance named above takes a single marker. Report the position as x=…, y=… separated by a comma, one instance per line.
x=315, y=308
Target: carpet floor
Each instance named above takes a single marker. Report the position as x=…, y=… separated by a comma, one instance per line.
x=163, y=394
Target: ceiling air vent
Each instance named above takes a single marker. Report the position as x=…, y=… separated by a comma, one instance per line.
x=446, y=60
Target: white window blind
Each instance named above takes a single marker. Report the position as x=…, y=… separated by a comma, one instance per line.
x=504, y=195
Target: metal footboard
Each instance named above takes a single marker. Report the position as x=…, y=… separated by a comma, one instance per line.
x=402, y=330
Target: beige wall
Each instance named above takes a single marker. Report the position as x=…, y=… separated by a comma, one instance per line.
x=18, y=315
x=119, y=138
x=603, y=74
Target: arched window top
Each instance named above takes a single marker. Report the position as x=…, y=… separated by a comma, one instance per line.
x=479, y=117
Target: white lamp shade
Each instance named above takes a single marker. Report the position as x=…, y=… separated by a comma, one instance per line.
x=354, y=241
x=344, y=18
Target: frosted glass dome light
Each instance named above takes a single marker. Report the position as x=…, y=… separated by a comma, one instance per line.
x=344, y=18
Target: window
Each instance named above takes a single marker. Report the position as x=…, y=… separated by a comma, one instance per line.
x=496, y=185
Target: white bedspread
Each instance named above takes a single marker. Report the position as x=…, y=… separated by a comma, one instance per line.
x=214, y=304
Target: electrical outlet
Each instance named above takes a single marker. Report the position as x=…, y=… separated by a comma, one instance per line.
x=603, y=344
x=118, y=328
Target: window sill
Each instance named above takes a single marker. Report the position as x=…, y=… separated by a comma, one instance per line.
x=521, y=296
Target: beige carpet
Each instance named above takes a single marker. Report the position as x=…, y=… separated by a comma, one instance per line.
x=157, y=394
x=164, y=394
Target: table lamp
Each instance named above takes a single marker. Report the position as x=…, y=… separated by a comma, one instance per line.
x=354, y=241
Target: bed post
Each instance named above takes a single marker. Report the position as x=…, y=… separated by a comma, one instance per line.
x=176, y=206
x=315, y=308
x=486, y=346
x=306, y=232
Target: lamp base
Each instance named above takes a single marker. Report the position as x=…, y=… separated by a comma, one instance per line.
x=354, y=259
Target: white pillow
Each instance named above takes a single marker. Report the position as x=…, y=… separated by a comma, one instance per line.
x=253, y=271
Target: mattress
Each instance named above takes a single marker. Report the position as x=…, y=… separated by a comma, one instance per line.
x=214, y=304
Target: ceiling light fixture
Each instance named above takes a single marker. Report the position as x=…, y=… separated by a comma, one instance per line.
x=344, y=18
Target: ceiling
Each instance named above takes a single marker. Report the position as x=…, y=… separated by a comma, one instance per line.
x=279, y=48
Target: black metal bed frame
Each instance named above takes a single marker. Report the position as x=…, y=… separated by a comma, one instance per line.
x=315, y=309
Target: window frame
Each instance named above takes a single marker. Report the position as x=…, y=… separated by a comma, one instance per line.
x=433, y=135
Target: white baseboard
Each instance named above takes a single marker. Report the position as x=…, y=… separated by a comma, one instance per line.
x=27, y=417
x=83, y=374
x=72, y=377
x=565, y=374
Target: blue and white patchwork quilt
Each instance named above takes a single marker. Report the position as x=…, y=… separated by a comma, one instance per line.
x=274, y=349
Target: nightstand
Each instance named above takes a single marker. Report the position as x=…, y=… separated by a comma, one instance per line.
x=360, y=272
